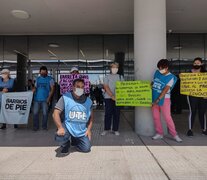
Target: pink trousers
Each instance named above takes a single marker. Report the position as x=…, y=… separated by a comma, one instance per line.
x=165, y=110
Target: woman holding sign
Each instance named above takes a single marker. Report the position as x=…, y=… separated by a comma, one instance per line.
x=197, y=103
x=6, y=85
x=163, y=83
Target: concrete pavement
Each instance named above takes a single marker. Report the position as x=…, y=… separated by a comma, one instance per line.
x=28, y=155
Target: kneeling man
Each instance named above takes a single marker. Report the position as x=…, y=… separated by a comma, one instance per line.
x=78, y=119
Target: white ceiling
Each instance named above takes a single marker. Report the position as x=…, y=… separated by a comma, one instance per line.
x=94, y=16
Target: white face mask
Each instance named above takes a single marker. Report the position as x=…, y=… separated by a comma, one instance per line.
x=163, y=71
x=4, y=76
x=114, y=70
x=79, y=91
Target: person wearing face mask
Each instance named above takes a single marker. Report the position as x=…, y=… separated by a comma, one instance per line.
x=43, y=92
x=197, y=103
x=74, y=70
x=78, y=119
x=6, y=85
x=111, y=110
x=162, y=84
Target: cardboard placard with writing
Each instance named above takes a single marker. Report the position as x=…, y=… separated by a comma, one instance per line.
x=133, y=93
x=193, y=84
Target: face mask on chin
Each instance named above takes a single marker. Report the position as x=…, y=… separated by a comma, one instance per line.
x=79, y=91
x=114, y=70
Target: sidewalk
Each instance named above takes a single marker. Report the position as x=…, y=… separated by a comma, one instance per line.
x=28, y=155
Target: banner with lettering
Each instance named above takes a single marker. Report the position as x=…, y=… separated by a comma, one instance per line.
x=133, y=93
x=15, y=107
x=66, y=82
x=193, y=84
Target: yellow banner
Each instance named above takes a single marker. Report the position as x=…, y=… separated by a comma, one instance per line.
x=133, y=93
x=193, y=84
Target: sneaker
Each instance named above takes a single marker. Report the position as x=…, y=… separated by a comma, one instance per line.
x=204, y=132
x=157, y=136
x=177, y=138
x=65, y=150
x=104, y=133
x=190, y=133
x=116, y=133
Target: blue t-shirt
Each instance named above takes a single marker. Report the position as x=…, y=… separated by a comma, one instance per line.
x=159, y=83
x=8, y=84
x=43, y=88
x=76, y=115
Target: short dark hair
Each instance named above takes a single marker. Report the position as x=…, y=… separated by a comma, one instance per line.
x=202, y=65
x=163, y=63
x=44, y=68
x=198, y=59
x=78, y=80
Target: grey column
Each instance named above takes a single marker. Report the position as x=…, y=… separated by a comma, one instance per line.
x=21, y=81
x=149, y=48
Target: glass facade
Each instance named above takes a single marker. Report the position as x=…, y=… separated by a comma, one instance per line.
x=93, y=53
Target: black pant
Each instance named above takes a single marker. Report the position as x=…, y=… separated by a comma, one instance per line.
x=197, y=103
x=111, y=110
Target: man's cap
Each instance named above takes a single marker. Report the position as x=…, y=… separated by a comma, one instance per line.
x=74, y=69
x=5, y=71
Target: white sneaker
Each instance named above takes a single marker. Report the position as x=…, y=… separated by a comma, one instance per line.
x=177, y=138
x=104, y=133
x=116, y=133
x=157, y=136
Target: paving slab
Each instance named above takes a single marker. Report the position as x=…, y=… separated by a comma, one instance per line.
x=28, y=155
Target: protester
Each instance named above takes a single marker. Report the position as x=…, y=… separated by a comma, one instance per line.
x=74, y=70
x=30, y=85
x=6, y=85
x=163, y=83
x=110, y=101
x=78, y=119
x=43, y=92
x=197, y=103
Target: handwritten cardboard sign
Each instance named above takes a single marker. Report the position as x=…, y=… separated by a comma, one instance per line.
x=66, y=82
x=133, y=93
x=193, y=84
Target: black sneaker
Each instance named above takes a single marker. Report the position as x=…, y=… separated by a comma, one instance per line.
x=190, y=133
x=65, y=150
x=204, y=132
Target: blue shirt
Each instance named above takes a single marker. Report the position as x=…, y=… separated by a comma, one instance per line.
x=43, y=88
x=77, y=115
x=159, y=83
x=8, y=84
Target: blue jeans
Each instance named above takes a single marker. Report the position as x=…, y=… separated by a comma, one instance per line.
x=44, y=106
x=111, y=110
x=82, y=144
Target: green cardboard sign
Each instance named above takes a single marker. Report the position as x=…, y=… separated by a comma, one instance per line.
x=133, y=93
